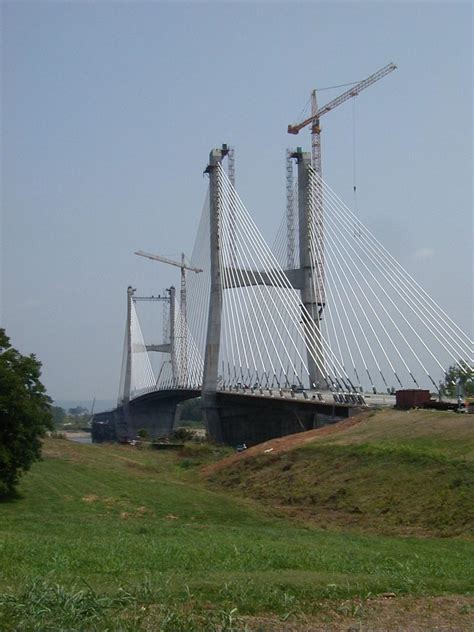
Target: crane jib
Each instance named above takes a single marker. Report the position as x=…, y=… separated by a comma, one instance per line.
x=352, y=92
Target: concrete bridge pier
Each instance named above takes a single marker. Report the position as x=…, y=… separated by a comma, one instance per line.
x=156, y=417
x=154, y=412
x=124, y=422
x=252, y=420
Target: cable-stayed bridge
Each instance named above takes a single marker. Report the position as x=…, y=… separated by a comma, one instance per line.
x=284, y=338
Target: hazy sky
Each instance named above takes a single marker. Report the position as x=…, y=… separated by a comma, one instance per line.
x=109, y=111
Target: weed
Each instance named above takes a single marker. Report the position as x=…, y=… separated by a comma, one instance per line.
x=192, y=558
x=185, y=464
x=43, y=606
x=354, y=485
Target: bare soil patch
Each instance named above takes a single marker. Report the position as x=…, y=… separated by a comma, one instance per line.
x=454, y=613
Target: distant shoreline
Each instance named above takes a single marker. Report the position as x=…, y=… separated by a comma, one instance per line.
x=79, y=436
x=100, y=405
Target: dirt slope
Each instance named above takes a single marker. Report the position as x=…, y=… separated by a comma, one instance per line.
x=284, y=444
x=392, y=472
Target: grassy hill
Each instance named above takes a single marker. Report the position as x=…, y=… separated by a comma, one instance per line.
x=386, y=472
x=108, y=537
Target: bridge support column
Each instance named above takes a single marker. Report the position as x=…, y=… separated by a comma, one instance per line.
x=127, y=385
x=211, y=358
x=174, y=371
x=309, y=291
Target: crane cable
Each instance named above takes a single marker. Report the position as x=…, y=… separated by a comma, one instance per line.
x=357, y=232
x=341, y=85
x=305, y=110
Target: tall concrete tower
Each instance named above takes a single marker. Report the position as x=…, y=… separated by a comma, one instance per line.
x=310, y=277
x=211, y=358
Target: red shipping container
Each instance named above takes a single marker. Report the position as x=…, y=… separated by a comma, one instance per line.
x=410, y=398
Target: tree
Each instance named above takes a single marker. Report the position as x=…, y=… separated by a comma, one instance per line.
x=77, y=411
x=191, y=409
x=59, y=416
x=25, y=413
x=460, y=373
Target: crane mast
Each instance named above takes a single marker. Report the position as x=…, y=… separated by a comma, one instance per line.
x=184, y=318
x=314, y=216
x=318, y=202
x=315, y=135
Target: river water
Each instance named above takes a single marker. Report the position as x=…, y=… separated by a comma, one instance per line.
x=79, y=437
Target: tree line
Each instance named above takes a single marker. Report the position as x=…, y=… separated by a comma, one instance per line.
x=71, y=419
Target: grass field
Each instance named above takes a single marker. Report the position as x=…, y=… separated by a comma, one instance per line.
x=116, y=538
x=395, y=472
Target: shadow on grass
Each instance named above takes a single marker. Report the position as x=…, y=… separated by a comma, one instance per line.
x=10, y=497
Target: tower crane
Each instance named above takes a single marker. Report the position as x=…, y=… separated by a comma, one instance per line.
x=182, y=298
x=179, y=264
x=316, y=112
x=317, y=217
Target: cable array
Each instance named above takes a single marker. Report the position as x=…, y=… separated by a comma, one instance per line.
x=265, y=341
x=380, y=323
x=123, y=369
x=175, y=369
x=376, y=329
x=198, y=285
x=142, y=376
x=189, y=365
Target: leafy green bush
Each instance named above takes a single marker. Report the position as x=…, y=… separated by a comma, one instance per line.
x=182, y=434
x=25, y=413
x=197, y=450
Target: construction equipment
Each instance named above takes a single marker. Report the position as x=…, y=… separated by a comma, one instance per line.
x=179, y=264
x=316, y=112
x=183, y=328
x=317, y=218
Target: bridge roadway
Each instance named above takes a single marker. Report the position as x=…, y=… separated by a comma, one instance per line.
x=246, y=417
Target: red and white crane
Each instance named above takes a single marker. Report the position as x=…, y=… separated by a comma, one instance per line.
x=316, y=112
x=313, y=120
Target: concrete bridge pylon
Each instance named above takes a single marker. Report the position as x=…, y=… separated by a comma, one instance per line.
x=307, y=278
x=211, y=357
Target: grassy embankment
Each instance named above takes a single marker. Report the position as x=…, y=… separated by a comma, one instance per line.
x=109, y=537
x=392, y=473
